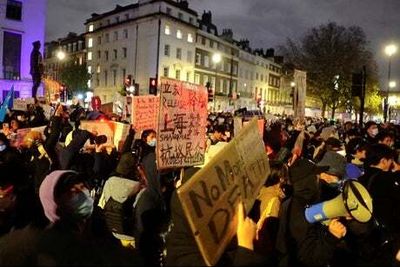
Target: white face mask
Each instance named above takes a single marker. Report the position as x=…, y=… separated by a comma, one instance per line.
x=152, y=142
x=2, y=147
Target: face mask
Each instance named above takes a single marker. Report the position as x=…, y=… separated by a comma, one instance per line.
x=152, y=143
x=2, y=148
x=374, y=132
x=81, y=205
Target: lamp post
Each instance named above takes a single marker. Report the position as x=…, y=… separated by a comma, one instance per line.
x=60, y=54
x=216, y=58
x=294, y=98
x=390, y=50
x=392, y=84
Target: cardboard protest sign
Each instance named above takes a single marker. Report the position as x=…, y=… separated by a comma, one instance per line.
x=210, y=198
x=145, y=112
x=20, y=104
x=181, y=124
x=101, y=127
x=261, y=127
x=237, y=125
x=116, y=132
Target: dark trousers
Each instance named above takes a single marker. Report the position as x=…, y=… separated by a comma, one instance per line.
x=36, y=79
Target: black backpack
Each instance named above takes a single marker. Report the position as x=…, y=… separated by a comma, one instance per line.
x=119, y=216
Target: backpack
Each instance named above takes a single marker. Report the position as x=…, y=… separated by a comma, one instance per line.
x=119, y=216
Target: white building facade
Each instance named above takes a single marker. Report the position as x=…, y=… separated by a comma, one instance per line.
x=150, y=39
x=22, y=23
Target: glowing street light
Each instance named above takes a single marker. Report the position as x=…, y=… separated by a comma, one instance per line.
x=390, y=50
x=216, y=58
x=61, y=55
x=392, y=84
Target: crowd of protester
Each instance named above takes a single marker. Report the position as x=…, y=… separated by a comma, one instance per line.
x=69, y=198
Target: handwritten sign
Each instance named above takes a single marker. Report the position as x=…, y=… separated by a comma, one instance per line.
x=145, y=112
x=181, y=124
x=210, y=198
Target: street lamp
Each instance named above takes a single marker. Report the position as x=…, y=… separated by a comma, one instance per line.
x=294, y=97
x=216, y=58
x=392, y=84
x=61, y=55
x=390, y=50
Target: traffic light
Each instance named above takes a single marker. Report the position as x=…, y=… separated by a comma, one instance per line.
x=153, y=86
x=356, y=85
x=210, y=92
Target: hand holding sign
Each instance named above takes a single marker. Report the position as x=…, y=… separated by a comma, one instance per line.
x=246, y=230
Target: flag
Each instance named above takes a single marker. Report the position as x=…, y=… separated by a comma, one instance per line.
x=6, y=104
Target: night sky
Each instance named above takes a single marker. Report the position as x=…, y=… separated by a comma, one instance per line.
x=266, y=23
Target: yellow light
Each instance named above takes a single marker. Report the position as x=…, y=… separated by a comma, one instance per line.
x=390, y=49
x=292, y=84
x=61, y=55
x=392, y=84
x=216, y=58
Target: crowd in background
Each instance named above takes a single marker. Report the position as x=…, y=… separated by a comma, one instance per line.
x=69, y=198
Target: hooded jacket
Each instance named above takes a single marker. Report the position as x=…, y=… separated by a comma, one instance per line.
x=299, y=242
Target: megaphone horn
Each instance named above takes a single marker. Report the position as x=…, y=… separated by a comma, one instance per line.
x=354, y=201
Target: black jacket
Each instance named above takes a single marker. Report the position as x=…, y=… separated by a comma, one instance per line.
x=300, y=242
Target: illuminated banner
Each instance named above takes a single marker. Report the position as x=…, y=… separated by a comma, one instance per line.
x=210, y=198
x=181, y=124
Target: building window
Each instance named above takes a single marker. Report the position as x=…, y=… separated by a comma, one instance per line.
x=197, y=78
x=169, y=11
x=190, y=38
x=166, y=50
x=89, y=69
x=99, y=54
x=117, y=19
x=203, y=40
x=89, y=83
x=125, y=33
x=108, y=22
x=97, y=82
x=89, y=55
x=124, y=52
x=126, y=16
x=198, y=58
x=115, y=53
x=211, y=43
x=107, y=37
x=105, y=78
x=188, y=76
x=114, y=77
x=166, y=71
x=12, y=56
x=178, y=74
x=256, y=75
x=98, y=68
x=179, y=34
x=14, y=10
x=123, y=73
x=106, y=54
x=99, y=40
x=167, y=30
x=91, y=27
x=189, y=56
x=115, y=36
x=206, y=61
x=179, y=53
x=180, y=16
x=90, y=42
x=191, y=20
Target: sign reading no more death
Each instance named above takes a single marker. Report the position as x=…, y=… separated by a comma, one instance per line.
x=181, y=124
x=210, y=198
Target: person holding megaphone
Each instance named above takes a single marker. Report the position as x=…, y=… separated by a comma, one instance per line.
x=302, y=239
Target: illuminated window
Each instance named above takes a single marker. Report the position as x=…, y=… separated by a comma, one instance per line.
x=89, y=69
x=190, y=38
x=98, y=68
x=179, y=34
x=90, y=42
x=89, y=55
x=167, y=30
x=91, y=27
